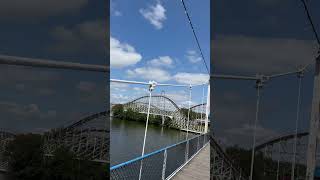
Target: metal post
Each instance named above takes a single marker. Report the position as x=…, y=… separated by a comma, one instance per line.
x=186, y=155
x=207, y=110
x=258, y=86
x=314, y=123
x=151, y=87
x=300, y=75
x=164, y=165
x=202, y=103
x=198, y=144
x=164, y=107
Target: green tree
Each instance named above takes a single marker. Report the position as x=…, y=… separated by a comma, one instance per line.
x=117, y=110
x=28, y=162
x=25, y=156
x=64, y=165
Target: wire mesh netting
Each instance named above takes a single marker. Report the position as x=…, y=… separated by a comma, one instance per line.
x=160, y=164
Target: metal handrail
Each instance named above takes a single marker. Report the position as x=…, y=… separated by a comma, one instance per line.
x=150, y=154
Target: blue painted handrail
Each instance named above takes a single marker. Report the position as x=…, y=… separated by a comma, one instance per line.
x=150, y=154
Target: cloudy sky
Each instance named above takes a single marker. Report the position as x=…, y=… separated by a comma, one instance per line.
x=265, y=37
x=34, y=99
x=152, y=40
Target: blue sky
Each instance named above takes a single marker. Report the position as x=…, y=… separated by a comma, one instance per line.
x=37, y=99
x=152, y=40
x=265, y=37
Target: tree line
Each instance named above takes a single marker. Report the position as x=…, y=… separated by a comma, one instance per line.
x=131, y=115
x=27, y=161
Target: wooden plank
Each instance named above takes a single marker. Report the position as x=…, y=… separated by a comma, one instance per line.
x=198, y=168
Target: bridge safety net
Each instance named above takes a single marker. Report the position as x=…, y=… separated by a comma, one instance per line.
x=160, y=164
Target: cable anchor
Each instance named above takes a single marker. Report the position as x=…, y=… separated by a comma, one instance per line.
x=152, y=85
x=261, y=80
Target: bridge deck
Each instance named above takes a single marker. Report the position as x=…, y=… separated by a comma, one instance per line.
x=198, y=168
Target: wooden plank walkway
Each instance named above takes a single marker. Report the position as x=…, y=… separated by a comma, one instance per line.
x=198, y=168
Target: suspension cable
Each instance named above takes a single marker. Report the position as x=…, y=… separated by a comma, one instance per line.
x=306, y=9
x=202, y=103
x=151, y=82
x=46, y=63
x=300, y=76
x=195, y=35
x=258, y=86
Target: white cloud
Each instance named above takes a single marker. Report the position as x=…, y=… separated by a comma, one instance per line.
x=118, y=85
x=123, y=93
x=90, y=92
x=160, y=75
x=87, y=36
x=113, y=9
x=31, y=9
x=191, y=78
x=24, y=111
x=247, y=130
x=119, y=98
x=140, y=90
x=261, y=55
x=179, y=96
x=122, y=54
x=193, y=57
x=155, y=15
x=117, y=13
x=149, y=73
x=164, y=61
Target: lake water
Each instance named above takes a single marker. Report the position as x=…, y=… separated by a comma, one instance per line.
x=127, y=138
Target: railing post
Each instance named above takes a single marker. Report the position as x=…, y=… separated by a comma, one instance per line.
x=164, y=165
x=187, y=151
x=198, y=145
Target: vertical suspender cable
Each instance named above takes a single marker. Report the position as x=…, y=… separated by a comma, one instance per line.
x=202, y=101
x=190, y=89
x=300, y=75
x=202, y=107
x=258, y=86
x=207, y=110
x=146, y=128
